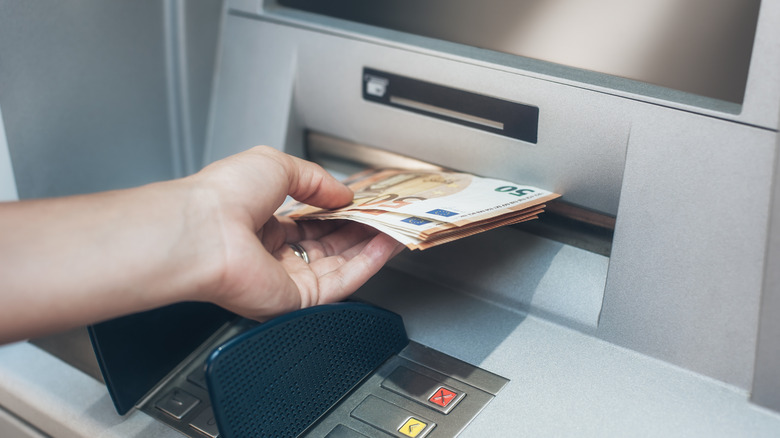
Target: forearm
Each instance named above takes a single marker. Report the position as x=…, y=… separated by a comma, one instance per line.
x=70, y=261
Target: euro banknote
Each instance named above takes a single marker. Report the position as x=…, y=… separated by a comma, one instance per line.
x=425, y=208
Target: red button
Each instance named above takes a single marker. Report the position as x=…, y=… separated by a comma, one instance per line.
x=442, y=397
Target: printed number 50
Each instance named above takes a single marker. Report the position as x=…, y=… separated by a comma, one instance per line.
x=512, y=190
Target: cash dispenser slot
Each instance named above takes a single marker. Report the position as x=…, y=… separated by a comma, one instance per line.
x=502, y=117
x=562, y=221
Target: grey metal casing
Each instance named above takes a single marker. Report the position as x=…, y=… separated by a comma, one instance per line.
x=668, y=336
x=691, y=187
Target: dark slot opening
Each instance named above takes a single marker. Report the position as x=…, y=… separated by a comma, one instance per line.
x=477, y=111
x=562, y=222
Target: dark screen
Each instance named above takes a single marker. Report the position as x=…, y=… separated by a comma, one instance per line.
x=696, y=46
x=135, y=352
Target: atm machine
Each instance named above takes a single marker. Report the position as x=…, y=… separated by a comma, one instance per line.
x=646, y=302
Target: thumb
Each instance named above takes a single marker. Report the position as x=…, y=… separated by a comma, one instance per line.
x=311, y=184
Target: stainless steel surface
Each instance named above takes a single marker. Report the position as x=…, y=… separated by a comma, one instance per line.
x=457, y=369
x=342, y=431
x=686, y=268
x=766, y=380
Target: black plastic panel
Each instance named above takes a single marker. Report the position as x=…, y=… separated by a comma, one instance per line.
x=135, y=352
x=280, y=377
x=478, y=111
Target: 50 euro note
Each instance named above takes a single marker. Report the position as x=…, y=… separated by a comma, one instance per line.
x=424, y=208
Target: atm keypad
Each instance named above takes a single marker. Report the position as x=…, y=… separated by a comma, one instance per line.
x=425, y=390
x=420, y=393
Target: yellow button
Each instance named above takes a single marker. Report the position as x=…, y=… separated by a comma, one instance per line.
x=412, y=427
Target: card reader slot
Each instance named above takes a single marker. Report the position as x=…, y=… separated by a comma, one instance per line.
x=511, y=119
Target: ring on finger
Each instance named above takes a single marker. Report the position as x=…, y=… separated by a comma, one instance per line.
x=299, y=251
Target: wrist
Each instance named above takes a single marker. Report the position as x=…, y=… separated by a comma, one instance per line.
x=197, y=252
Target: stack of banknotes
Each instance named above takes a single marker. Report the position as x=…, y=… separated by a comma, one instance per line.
x=423, y=208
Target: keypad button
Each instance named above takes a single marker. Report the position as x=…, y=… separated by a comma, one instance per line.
x=206, y=423
x=177, y=403
x=423, y=389
x=443, y=396
x=412, y=427
x=342, y=431
x=198, y=377
x=392, y=419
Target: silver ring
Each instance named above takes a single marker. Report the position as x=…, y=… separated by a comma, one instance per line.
x=299, y=251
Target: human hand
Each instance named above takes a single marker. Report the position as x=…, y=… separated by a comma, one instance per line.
x=208, y=237
x=257, y=274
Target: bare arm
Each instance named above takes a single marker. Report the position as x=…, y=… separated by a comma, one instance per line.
x=209, y=237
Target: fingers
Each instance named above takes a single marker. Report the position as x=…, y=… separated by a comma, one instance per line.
x=334, y=236
x=297, y=231
x=342, y=241
x=311, y=184
x=254, y=183
x=321, y=239
x=339, y=262
x=357, y=265
x=332, y=276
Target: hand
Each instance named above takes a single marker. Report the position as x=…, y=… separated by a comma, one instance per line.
x=260, y=274
x=77, y=260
